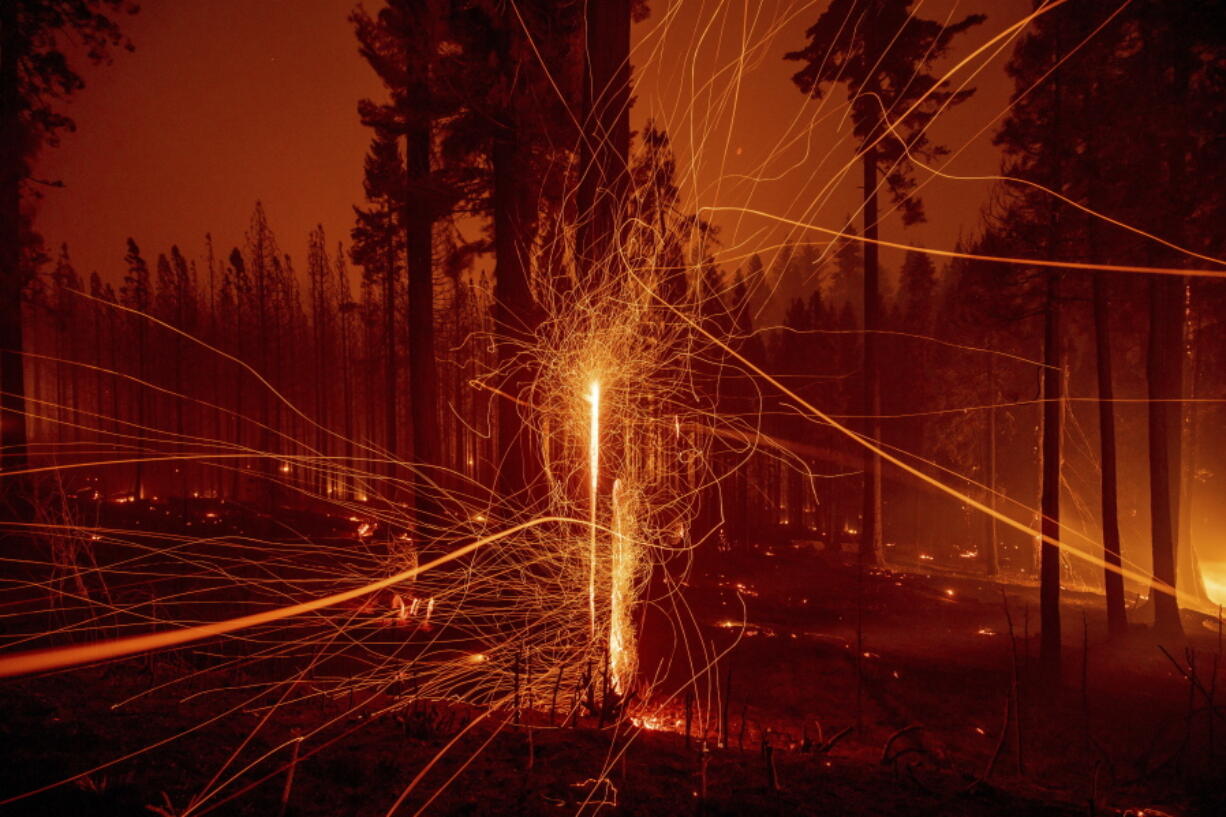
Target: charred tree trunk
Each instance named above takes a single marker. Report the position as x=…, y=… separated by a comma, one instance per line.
x=423, y=374
x=1113, y=581
x=991, y=555
x=1164, y=376
x=514, y=312
x=370, y=333
x=236, y=482
x=13, y=441
x=1053, y=422
x=1171, y=66
x=1188, y=561
x=138, y=486
x=1050, y=650
x=870, y=527
x=389, y=360
x=605, y=145
x=345, y=483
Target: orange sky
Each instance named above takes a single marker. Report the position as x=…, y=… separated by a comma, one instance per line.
x=229, y=101
x=223, y=102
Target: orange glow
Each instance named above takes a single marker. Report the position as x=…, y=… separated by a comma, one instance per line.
x=1213, y=575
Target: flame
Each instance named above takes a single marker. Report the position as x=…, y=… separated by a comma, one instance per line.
x=656, y=723
x=1213, y=576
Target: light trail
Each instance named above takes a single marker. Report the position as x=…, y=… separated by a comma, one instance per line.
x=968, y=256
x=1185, y=600
x=25, y=663
x=593, y=487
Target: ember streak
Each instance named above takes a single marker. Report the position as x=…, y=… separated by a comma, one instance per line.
x=679, y=406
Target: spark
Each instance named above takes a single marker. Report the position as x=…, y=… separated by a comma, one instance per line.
x=25, y=663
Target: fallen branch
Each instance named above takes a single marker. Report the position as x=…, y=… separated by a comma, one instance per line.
x=885, y=750
x=828, y=745
x=1192, y=679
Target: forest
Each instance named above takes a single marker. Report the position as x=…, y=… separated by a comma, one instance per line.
x=624, y=452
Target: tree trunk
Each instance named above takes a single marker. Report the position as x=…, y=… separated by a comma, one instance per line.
x=1113, y=581
x=370, y=360
x=605, y=145
x=870, y=527
x=346, y=483
x=423, y=374
x=1164, y=376
x=514, y=313
x=180, y=421
x=389, y=362
x=992, y=554
x=1188, y=562
x=13, y=441
x=1053, y=420
x=236, y=482
x=100, y=437
x=138, y=488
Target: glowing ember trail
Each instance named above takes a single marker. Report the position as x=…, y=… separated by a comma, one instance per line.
x=22, y=663
x=594, y=469
x=621, y=588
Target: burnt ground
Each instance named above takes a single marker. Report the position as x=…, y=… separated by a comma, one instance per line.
x=1122, y=730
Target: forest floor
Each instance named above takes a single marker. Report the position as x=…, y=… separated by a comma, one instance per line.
x=1123, y=730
